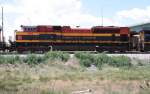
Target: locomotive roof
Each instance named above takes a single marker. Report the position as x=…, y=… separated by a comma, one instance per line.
x=140, y=27
x=106, y=27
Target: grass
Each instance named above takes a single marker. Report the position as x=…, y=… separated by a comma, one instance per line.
x=33, y=59
x=51, y=75
x=145, y=91
x=53, y=92
x=88, y=59
x=85, y=59
x=62, y=56
x=23, y=76
x=137, y=73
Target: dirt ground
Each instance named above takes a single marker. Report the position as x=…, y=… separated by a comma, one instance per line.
x=96, y=86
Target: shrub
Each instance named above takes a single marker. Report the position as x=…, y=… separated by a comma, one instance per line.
x=13, y=59
x=18, y=59
x=85, y=59
x=33, y=59
x=121, y=61
x=101, y=59
x=57, y=56
x=82, y=56
x=85, y=62
x=9, y=59
x=64, y=56
x=2, y=59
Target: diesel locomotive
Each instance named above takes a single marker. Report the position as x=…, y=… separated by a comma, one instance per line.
x=43, y=38
x=64, y=38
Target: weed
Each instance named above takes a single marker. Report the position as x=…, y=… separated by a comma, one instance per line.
x=120, y=61
x=33, y=59
x=57, y=56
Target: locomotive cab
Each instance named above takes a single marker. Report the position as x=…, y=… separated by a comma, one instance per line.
x=137, y=41
x=145, y=39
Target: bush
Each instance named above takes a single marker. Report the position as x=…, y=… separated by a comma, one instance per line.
x=85, y=59
x=121, y=61
x=2, y=59
x=33, y=59
x=86, y=55
x=85, y=62
x=13, y=59
x=88, y=59
x=101, y=59
x=57, y=56
x=10, y=59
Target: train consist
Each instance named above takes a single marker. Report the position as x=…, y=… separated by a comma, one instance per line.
x=43, y=38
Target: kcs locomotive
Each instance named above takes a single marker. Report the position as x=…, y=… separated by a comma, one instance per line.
x=43, y=38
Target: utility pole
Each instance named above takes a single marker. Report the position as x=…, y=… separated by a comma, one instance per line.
x=2, y=26
x=102, y=22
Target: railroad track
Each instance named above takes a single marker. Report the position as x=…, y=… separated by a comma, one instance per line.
x=132, y=55
x=72, y=52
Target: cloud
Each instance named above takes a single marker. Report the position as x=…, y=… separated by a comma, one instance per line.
x=50, y=12
x=56, y=12
x=136, y=14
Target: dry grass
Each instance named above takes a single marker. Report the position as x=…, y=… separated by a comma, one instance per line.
x=63, y=78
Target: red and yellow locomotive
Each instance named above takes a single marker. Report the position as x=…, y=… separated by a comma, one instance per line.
x=64, y=38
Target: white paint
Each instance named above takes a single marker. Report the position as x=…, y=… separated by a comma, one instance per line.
x=138, y=56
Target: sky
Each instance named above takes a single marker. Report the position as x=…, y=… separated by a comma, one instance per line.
x=84, y=13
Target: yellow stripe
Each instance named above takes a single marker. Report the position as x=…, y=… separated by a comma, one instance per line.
x=65, y=34
x=60, y=41
x=147, y=42
x=86, y=34
x=36, y=33
x=25, y=33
